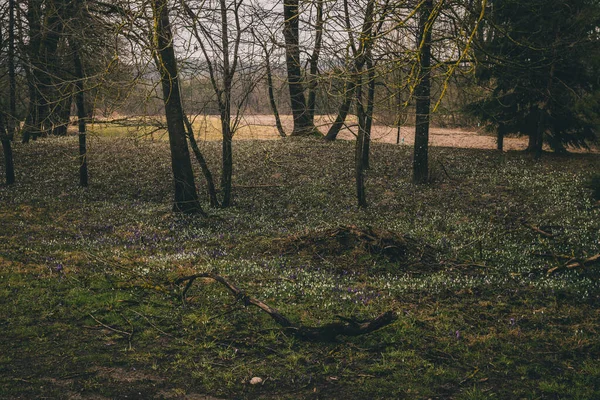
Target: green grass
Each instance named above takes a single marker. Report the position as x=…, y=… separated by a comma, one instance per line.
x=87, y=309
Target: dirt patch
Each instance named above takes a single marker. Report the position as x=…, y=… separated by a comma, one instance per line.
x=354, y=245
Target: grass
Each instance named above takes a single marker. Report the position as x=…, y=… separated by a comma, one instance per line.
x=88, y=310
x=206, y=128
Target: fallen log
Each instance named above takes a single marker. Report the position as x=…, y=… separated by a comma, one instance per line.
x=576, y=263
x=328, y=332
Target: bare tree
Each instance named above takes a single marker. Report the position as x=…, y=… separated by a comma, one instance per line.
x=219, y=38
x=268, y=50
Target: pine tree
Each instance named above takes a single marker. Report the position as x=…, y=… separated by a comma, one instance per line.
x=541, y=59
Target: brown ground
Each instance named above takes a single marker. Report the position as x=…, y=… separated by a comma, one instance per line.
x=263, y=127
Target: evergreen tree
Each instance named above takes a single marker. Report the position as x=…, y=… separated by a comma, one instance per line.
x=541, y=59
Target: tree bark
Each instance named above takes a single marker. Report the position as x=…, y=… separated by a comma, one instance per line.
x=338, y=124
x=227, y=150
x=225, y=107
x=272, y=101
x=61, y=115
x=359, y=149
x=314, y=62
x=369, y=112
x=500, y=137
x=12, y=85
x=210, y=183
x=422, y=95
x=186, y=196
x=81, y=114
x=32, y=121
x=303, y=126
x=9, y=168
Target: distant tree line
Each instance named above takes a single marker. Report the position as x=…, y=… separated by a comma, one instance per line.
x=530, y=68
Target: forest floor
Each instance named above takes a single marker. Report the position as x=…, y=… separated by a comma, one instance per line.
x=489, y=268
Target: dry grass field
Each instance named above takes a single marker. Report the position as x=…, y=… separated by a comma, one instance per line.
x=262, y=127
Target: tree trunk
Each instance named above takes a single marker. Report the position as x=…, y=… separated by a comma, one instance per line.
x=186, y=196
x=399, y=109
x=422, y=95
x=314, y=62
x=539, y=135
x=61, y=115
x=212, y=193
x=32, y=121
x=81, y=114
x=272, y=95
x=9, y=168
x=226, y=176
x=302, y=123
x=359, y=149
x=369, y=113
x=338, y=124
x=12, y=85
x=46, y=28
x=500, y=137
x=225, y=109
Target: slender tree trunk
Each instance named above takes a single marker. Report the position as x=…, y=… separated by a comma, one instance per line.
x=49, y=102
x=32, y=121
x=369, y=112
x=314, y=62
x=226, y=176
x=539, y=134
x=500, y=137
x=272, y=94
x=210, y=183
x=225, y=110
x=422, y=95
x=360, y=55
x=61, y=116
x=81, y=114
x=12, y=85
x=399, y=109
x=186, y=196
x=302, y=123
x=338, y=124
x=360, y=143
x=9, y=168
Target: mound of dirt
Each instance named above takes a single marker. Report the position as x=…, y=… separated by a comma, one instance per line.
x=354, y=243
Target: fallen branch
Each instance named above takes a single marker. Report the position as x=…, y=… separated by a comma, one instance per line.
x=537, y=230
x=255, y=186
x=575, y=263
x=552, y=255
x=445, y=172
x=348, y=327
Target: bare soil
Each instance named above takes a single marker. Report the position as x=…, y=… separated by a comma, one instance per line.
x=263, y=127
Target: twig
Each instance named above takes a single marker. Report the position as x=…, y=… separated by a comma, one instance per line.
x=445, y=172
x=110, y=328
x=536, y=229
x=152, y=325
x=255, y=186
